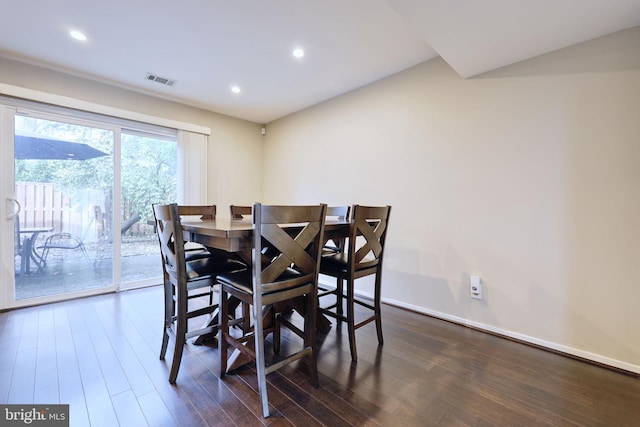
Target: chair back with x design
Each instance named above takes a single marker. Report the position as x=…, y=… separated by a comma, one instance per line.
x=368, y=234
x=285, y=262
x=363, y=257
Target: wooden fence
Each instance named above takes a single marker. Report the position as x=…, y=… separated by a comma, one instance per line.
x=44, y=206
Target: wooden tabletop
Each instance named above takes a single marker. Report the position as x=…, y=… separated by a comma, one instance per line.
x=229, y=235
x=234, y=235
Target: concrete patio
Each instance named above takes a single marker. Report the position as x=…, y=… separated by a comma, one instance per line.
x=69, y=270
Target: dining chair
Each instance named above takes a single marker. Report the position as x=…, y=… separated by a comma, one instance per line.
x=295, y=234
x=202, y=212
x=240, y=212
x=184, y=283
x=362, y=257
x=332, y=247
x=195, y=250
x=340, y=213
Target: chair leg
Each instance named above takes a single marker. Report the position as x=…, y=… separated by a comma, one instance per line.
x=165, y=343
x=377, y=309
x=85, y=254
x=246, y=318
x=276, y=333
x=260, y=360
x=339, y=298
x=258, y=330
x=310, y=335
x=181, y=330
x=45, y=254
x=351, y=320
x=223, y=317
x=168, y=315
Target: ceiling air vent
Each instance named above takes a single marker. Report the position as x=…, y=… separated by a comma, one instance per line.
x=161, y=80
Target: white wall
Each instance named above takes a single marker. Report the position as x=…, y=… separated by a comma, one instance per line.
x=528, y=176
x=234, y=145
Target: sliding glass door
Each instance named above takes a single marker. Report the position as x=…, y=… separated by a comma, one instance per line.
x=78, y=200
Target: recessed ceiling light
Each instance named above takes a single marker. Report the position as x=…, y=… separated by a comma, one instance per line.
x=77, y=35
x=298, y=53
x=235, y=89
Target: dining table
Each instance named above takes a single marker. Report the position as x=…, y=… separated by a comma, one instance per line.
x=236, y=236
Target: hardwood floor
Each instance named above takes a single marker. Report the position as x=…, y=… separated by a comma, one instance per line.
x=100, y=355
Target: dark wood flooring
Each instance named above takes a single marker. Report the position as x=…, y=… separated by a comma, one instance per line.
x=100, y=355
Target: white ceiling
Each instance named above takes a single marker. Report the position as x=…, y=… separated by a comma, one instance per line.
x=210, y=45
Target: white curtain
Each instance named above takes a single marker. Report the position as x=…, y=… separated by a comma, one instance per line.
x=192, y=168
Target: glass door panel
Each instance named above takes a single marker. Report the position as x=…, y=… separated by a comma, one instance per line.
x=148, y=176
x=63, y=175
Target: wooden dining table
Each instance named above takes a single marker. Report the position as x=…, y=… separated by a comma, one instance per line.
x=236, y=236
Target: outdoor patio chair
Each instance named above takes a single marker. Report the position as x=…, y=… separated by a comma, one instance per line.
x=63, y=241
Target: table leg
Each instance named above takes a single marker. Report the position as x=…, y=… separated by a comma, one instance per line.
x=29, y=254
x=25, y=256
x=239, y=359
x=212, y=320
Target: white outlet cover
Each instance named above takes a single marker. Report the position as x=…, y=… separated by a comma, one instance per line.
x=475, y=287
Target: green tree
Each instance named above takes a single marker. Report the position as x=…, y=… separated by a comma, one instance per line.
x=148, y=166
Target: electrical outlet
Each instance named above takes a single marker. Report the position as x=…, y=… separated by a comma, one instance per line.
x=475, y=287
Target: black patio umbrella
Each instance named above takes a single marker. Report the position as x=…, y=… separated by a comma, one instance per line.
x=31, y=145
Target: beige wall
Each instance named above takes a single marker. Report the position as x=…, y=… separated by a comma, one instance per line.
x=528, y=176
x=234, y=145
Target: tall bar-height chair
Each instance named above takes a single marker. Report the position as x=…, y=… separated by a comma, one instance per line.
x=295, y=233
x=362, y=257
x=184, y=281
x=203, y=212
x=339, y=213
x=332, y=247
x=240, y=212
x=195, y=250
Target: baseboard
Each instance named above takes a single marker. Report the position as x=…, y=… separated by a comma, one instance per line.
x=586, y=356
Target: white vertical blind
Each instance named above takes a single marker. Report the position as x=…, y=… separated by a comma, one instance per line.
x=192, y=168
